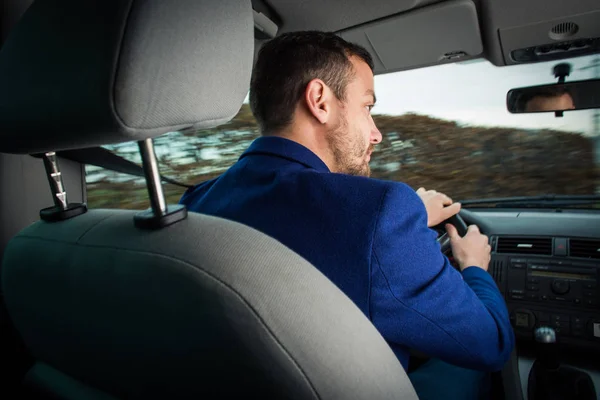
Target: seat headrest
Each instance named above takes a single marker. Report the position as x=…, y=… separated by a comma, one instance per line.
x=77, y=74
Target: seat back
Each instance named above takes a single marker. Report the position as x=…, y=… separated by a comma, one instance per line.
x=205, y=308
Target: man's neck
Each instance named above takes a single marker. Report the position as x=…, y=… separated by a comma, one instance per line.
x=311, y=138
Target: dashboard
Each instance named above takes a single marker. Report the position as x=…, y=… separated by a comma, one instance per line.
x=546, y=264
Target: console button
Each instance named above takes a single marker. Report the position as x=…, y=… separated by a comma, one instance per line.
x=518, y=265
x=543, y=316
x=590, y=293
x=594, y=329
x=577, y=301
x=532, y=296
x=577, y=323
x=540, y=267
x=533, y=288
x=591, y=302
x=560, y=247
x=517, y=296
x=544, y=297
x=533, y=280
x=560, y=262
x=559, y=324
x=522, y=319
x=561, y=299
x=560, y=286
x=560, y=317
x=517, y=291
x=590, y=286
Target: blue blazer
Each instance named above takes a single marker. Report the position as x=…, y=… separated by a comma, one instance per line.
x=370, y=237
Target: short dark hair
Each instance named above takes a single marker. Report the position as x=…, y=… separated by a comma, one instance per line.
x=287, y=63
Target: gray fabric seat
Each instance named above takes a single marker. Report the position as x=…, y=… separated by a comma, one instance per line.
x=203, y=308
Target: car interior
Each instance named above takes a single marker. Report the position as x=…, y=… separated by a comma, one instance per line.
x=164, y=303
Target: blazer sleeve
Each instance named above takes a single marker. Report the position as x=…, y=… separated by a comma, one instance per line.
x=420, y=301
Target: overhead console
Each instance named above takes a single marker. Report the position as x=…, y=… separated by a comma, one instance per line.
x=441, y=33
x=517, y=31
x=555, y=39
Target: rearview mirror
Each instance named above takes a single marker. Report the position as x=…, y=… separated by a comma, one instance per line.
x=576, y=95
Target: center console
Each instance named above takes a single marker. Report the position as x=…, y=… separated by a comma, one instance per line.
x=546, y=264
x=561, y=293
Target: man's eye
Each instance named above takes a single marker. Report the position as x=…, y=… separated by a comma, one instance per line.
x=369, y=107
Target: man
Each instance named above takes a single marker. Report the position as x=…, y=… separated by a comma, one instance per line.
x=305, y=182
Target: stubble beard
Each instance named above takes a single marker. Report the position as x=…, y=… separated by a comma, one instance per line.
x=350, y=158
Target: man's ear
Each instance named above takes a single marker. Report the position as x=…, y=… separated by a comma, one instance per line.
x=318, y=97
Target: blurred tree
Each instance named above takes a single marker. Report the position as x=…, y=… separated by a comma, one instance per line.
x=463, y=161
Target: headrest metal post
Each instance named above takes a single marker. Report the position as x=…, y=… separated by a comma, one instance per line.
x=62, y=209
x=59, y=195
x=159, y=215
x=150, y=164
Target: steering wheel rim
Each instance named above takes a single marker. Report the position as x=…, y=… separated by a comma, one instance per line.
x=460, y=225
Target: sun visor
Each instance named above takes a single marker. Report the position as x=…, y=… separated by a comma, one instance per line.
x=437, y=34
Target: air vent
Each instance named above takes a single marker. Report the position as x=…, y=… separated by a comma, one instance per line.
x=525, y=245
x=585, y=248
x=563, y=30
x=496, y=272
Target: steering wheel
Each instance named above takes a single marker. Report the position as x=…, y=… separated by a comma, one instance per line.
x=460, y=226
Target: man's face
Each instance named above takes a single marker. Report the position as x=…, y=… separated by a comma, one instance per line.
x=353, y=137
x=558, y=102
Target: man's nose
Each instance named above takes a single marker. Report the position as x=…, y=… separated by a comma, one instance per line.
x=376, y=137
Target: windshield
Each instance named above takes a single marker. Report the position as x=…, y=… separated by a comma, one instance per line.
x=447, y=127
x=444, y=127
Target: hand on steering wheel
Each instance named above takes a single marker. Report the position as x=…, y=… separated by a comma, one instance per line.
x=438, y=205
x=471, y=249
x=460, y=226
x=441, y=210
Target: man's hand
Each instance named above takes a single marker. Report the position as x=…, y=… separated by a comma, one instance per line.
x=473, y=250
x=439, y=206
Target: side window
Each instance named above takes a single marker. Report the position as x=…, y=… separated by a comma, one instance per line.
x=189, y=157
